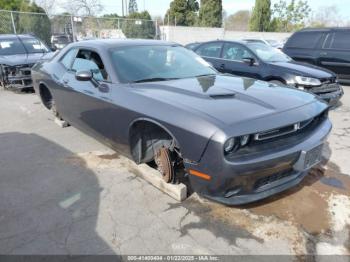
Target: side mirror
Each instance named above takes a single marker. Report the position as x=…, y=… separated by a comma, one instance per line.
x=83, y=76
x=249, y=61
x=53, y=48
x=86, y=76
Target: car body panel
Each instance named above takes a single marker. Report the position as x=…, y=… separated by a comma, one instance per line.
x=321, y=53
x=15, y=68
x=200, y=113
x=283, y=72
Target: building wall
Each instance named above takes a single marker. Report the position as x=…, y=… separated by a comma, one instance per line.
x=185, y=35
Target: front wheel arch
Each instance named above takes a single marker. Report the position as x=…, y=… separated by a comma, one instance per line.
x=146, y=136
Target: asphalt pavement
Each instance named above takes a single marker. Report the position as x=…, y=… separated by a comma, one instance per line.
x=62, y=192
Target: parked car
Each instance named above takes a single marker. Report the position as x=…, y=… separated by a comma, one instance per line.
x=271, y=42
x=260, y=61
x=192, y=45
x=238, y=139
x=58, y=41
x=18, y=53
x=327, y=47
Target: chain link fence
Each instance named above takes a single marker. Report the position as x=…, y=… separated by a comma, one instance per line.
x=76, y=28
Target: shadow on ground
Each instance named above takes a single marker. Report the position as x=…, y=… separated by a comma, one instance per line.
x=46, y=207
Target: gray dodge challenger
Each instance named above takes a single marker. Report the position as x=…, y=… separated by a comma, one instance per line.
x=237, y=140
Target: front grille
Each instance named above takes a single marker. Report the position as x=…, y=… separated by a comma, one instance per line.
x=279, y=140
x=325, y=88
x=277, y=132
x=17, y=71
x=328, y=80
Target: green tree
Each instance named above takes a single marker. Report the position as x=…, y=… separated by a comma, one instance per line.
x=290, y=17
x=182, y=12
x=38, y=24
x=239, y=21
x=261, y=16
x=210, y=13
x=133, y=7
x=12, y=5
x=139, y=26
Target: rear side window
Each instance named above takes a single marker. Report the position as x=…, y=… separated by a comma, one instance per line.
x=68, y=58
x=341, y=40
x=210, y=50
x=307, y=40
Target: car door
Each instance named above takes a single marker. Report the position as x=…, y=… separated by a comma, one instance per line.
x=89, y=101
x=234, y=56
x=62, y=93
x=211, y=52
x=335, y=53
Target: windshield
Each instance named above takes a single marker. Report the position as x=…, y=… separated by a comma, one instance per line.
x=157, y=63
x=268, y=53
x=11, y=46
x=33, y=45
x=60, y=40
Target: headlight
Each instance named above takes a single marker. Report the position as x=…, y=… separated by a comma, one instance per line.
x=234, y=143
x=230, y=145
x=307, y=81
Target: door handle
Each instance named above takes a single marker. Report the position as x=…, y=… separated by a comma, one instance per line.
x=323, y=53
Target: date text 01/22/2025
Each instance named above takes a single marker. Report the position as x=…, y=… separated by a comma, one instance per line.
x=173, y=258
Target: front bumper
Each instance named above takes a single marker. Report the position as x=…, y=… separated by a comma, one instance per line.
x=16, y=77
x=251, y=178
x=331, y=93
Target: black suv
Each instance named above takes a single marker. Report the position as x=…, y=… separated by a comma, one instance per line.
x=328, y=48
x=260, y=61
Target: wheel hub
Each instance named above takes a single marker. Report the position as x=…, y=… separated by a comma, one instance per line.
x=164, y=164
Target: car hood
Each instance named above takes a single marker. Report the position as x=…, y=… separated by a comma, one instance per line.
x=303, y=69
x=227, y=100
x=23, y=59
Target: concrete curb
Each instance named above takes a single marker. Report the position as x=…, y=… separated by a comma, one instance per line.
x=61, y=123
x=178, y=192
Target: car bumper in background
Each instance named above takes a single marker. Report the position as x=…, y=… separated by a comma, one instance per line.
x=330, y=93
x=16, y=77
x=254, y=177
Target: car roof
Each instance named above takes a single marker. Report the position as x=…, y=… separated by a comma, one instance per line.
x=325, y=29
x=110, y=43
x=12, y=36
x=227, y=41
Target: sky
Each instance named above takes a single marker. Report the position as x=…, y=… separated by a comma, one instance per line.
x=159, y=7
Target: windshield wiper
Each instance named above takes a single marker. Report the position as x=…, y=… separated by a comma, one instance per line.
x=154, y=79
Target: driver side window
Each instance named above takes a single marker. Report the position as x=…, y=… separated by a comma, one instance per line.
x=235, y=52
x=87, y=60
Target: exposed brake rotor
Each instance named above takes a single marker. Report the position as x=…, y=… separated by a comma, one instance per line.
x=164, y=164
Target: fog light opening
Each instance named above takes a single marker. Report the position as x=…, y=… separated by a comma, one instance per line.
x=232, y=192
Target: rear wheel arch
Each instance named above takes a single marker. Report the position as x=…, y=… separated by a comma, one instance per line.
x=146, y=136
x=46, y=96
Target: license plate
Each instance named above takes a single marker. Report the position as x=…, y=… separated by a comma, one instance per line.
x=313, y=157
